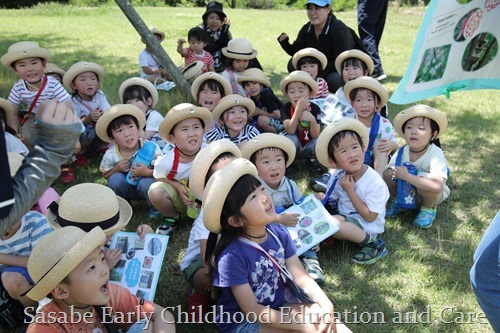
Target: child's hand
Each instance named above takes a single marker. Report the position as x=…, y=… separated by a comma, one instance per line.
x=289, y=219
x=320, y=196
x=123, y=166
x=112, y=256
x=139, y=170
x=144, y=229
x=400, y=172
x=183, y=193
x=95, y=114
x=302, y=105
x=307, y=116
x=383, y=146
x=181, y=41
x=347, y=182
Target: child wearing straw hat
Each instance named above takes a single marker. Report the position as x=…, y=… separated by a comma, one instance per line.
x=184, y=126
x=149, y=66
x=266, y=117
x=239, y=57
x=352, y=64
x=255, y=258
x=360, y=191
x=366, y=96
x=68, y=266
x=54, y=71
x=420, y=126
x=313, y=62
x=233, y=112
x=28, y=61
x=122, y=125
x=272, y=154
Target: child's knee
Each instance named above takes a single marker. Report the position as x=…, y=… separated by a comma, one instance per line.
x=263, y=121
x=15, y=283
x=158, y=195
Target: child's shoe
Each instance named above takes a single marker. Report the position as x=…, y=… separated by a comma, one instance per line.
x=67, y=174
x=168, y=226
x=312, y=267
x=319, y=184
x=81, y=160
x=154, y=214
x=371, y=252
x=393, y=208
x=425, y=217
x=198, y=306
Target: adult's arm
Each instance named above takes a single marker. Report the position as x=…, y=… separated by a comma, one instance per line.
x=299, y=44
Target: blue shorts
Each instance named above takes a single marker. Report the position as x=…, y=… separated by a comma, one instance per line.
x=21, y=270
x=247, y=327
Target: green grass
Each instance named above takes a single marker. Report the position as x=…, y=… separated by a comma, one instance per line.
x=426, y=269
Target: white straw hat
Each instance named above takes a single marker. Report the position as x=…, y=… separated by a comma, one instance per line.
x=354, y=53
x=195, y=87
x=23, y=50
x=239, y=48
x=114, y=112
x=254, y=75
x=420, y=110
x=232, y=100
x=137, y=81
x=270, y=140
x=367, y=82
x=180, y=112
x=309, y=52
x=79, y=68
x=299, y=76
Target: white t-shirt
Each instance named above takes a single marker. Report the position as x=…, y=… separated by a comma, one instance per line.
x=146, y=60
x=153, y=120
x=198, y=233
x=282, y=196
x=83, y=108
x=165, y=163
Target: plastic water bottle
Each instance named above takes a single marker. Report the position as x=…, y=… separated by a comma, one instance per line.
x=406, y=192
x=144, y=156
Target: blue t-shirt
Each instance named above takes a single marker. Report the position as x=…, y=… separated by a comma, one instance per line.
x=239, y=264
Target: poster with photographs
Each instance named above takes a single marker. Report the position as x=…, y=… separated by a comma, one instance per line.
x=456, y=49
x=139, y=267
x=333, y=108
x=315, y=224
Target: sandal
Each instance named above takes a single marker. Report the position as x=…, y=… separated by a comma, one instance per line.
x=313, y=269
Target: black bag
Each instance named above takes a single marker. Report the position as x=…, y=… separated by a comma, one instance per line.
x=11, y=311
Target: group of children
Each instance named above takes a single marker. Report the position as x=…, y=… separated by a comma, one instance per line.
x=223, y=164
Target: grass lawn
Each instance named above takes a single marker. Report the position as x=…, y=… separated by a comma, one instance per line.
x=423, y=285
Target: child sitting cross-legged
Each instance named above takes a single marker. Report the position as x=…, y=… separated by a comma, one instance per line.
x=68, y=266
x=420, y=126
x=360, y=191
x=272, y=154
x=184, y=126
x=254, y=263
x=233, y=112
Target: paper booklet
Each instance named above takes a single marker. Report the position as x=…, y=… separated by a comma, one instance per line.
x=315, y=224
x=139, y=267
x=333, y=108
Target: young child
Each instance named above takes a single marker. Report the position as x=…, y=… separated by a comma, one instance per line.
x=313, y=62
x=81, y=205
x=88, y=101
x=121, y=125
x=54, y=71
x=197, y=39
x=360, y=191
x=300, y=117
x=150, y=67
x=12, y=142
x=420, y=126
x=267, y=106
x=352, y=64
x=272, y=154
x=194, y=265
x=233, y=112
x=28, y=61
x=183, y=126
x=366, y=96
x=216, y=24
x=68, y=266
x=250, y=255
x=143, y=94
x=239, y=54
x=208, y=89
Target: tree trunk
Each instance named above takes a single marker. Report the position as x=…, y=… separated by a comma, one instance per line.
x=155, y=47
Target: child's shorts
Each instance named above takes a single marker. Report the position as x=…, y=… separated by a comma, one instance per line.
x=190, y=271
x=247, y=327
x=21, y=270
x=445, y=192
x=353, y=220
x=172, y=193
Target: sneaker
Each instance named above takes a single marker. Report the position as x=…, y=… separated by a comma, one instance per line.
x=81, y=160
x=198, y=306
x=371, y=252
x=313, y=269
x=319, y=184
x=168, y=226
x=154, y=214
x=67, y=174
x=425, y=217
x=392, y=209
x=315, y=165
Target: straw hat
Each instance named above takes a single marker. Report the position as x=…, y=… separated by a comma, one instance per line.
x=203, y=162
x=343, y=124
x=218, y=188
x=309, y=52
x=192, y=70
x=15, y=162
x=90, y=205
x=7, y=107
x=79, y=68
x=299, y=76
x=239, y=48
x=180, y=112
x=254, y=75
x=137, y=81
x=213, y=7
x=155, y=31
x=53, y=68
x=367, y=82
x=57, y=254
x=269, y=140
x=420, y=110
x=354, y=54
x=232, y=100
x=114, y=112
x=23, y=50
x=195, y=87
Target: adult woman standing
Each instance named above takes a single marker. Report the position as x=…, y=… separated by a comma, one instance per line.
x=325, y=33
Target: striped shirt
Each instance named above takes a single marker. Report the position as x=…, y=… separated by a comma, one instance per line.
x=219, y=133
x=322, y=88
x=21, y=93
x=206, y=58
x=33, y=226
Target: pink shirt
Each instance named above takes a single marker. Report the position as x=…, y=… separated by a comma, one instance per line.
x=206, y=58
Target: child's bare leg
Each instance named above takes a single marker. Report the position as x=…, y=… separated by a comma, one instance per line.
x=380, y=160
x=391, y=184
x=161, y=200
x=428, y=198
x=16, y=285
x=349, y=231
x=264, y=123
x=202, y=281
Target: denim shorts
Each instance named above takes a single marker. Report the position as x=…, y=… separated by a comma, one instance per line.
x=247, y=327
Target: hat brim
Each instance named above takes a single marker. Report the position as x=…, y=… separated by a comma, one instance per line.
x=175, y=116
x=240, y=56
x=137, y=81
x=354, y=54
x=270, y=140
x=366, y=82
x=218, y=11
x=254, y=78
x=53, y=69
x=299, y=76
x=218, y=188
x=8, y=108
x=337, y=126
x=155, y=31
x=79, y=68
x=192, y=70
x=125, y=215
x=114, y=112
x=309, y=52
x=195, y=87
x=203, y=162
x=71, y=259
x=420, y=110
x=36, y=52
x=232, y=100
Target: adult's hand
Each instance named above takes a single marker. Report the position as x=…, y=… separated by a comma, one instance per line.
x=55, y=113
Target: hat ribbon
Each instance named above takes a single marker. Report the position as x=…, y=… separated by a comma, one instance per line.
x=104, y=224
x=241, y=53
